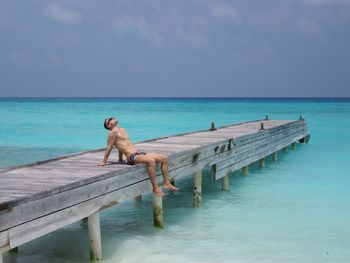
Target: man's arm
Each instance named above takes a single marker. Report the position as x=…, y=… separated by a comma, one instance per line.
x=110, y=142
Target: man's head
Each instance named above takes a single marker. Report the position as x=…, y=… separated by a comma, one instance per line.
x=110, y=123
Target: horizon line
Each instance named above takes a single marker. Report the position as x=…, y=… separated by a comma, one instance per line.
x=160, y=97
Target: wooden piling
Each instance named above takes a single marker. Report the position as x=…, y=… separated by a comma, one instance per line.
x=262, y=163
x=294, y=145
x=213, y=172
x=197, y=189
x=245, y=170
x=285, y=149
x=14, y=250
x=274, y=156
x=95, y=237
x=138, y=198
x=224, y=183
x=158, y=211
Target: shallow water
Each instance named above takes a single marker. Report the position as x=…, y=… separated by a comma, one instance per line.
x=295, y=210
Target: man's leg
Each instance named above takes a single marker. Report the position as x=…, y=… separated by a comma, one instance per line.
x=164, y=167
x=151, y=169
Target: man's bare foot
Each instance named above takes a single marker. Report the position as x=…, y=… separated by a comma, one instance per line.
x=159, y=193
x=171, y=187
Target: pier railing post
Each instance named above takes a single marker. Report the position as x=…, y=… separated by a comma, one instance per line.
x=120, y=157
x=158, y=211
x=262, y=163
x=197, y=189
x=95, y=237
x=224, y=182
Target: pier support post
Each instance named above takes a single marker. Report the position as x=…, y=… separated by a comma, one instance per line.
x=95, y=237
x=294, y=145
x=224, y=182
x=262, y=163
x=274, y=156
x=138, y=198
x=197, y=189
x=213, y=172
x=158, y=211
x=14, y=250
x=245, y=170
x=285, y=149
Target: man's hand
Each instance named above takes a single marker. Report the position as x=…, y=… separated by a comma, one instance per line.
x=101, y=164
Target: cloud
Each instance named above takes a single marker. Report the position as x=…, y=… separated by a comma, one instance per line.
x=170, y=26
x=62, y=15
x=225, y=11
x=139, y=25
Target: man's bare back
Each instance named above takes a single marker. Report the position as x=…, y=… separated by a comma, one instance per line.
x=119, y=138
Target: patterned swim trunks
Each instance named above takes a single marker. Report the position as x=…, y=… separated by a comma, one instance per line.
x=132, y=158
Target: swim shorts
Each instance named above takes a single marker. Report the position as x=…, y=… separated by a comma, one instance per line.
x=132, y=158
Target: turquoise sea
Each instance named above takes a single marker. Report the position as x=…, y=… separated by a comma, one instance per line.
x=295, y=210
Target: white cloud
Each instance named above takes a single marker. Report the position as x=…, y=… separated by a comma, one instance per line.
x=62, y=15
x=225, y=11
x=138, y=24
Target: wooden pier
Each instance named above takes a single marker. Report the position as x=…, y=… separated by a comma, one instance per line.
x=42, y=197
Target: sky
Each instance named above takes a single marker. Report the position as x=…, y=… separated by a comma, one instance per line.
x=183, y=48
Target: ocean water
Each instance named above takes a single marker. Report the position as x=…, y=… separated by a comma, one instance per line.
x=295, y=210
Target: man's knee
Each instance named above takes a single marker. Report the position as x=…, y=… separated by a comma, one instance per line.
x=164, y=159
x=151, y=162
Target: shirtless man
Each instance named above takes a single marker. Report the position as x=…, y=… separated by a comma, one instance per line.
x=119, y=138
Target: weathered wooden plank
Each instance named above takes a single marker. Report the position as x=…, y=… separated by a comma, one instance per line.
x=256, y=148
x=48, y=204
x=249, y=149
x=4, y=241
x=191, y=167
x=220, y=173
x=245, y=139
x=33, y=229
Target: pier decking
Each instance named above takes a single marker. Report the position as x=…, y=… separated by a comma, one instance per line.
x=39, y=198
